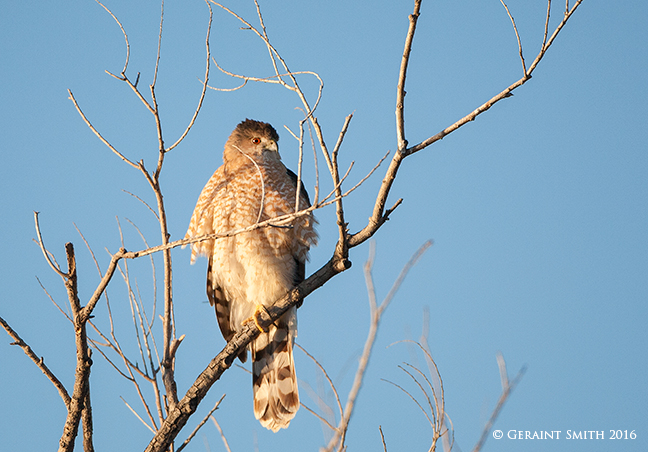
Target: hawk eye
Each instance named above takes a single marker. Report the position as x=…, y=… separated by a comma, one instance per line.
x=256, y=140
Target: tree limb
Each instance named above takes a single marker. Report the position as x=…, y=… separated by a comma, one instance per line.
x=80, y=393
x=40, y=362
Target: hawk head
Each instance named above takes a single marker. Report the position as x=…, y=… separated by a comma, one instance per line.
x=251, y=139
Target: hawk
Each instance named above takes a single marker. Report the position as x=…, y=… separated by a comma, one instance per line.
x=251, y=270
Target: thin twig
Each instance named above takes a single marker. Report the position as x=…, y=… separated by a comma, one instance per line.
x=270, y=79
x=143, y=202
x=382, y=437
x=300, y=160
x=40, y=362
x=502, y=95
x=123, y=72
x=203, y=422
x=337, y=442
x=434, y=407
x=137, y=415
x=546, y=28
x=315, y=162
x=159, y=47
x=54, y=266
x=558, y=29
x=339, y=208
x=517, y=35
x=328, y=379
x=204, y=89
x=324, y=421
x=96, y=132
x=411, y=397
x=97, y=346
x=262, y=203
x=222, y=435
x=67, y=316
x=506, y=392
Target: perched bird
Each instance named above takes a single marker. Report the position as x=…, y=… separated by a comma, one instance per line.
x=253, y=269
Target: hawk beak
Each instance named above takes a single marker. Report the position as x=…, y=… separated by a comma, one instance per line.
x=271, y=146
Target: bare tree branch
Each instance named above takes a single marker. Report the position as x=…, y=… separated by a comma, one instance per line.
x=502, y=95
x=80, y=393
x=159, y=46
x=138, y=416
x=517, y=35
x=40, y=362
x=563, y=22
x=205, y=419
x=314, y=413
x=65, y=314
x=220, y=431
x=52, y=264
x=328, y=379
x=507, y=389
x=546, y=27
x=376, y=311
x=123, y=32
x=86, y=423
x=382, y=437
x=96, y=132
x=202, y=94
x=400, y=94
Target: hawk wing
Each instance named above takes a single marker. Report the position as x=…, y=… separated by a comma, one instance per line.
x=221, y=304
x=300, y=271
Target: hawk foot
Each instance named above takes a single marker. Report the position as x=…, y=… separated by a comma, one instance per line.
x=255, y=317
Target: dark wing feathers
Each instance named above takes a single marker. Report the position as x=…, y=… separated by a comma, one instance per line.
x=222, y=306
x=293, y=178
x=300, y=274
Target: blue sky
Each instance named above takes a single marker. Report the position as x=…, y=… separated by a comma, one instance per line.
x=538, y=210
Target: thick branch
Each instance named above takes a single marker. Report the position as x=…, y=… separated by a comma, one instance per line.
x=380, y=215
x=86, y=422
x=168, y=360
x=80, y=393
x=179, y=415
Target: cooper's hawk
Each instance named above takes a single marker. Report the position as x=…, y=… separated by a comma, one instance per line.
x=257, y=267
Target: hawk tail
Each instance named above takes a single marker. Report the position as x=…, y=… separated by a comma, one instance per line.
x=276, y=399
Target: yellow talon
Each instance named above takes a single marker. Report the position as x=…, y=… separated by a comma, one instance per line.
x=255, y=318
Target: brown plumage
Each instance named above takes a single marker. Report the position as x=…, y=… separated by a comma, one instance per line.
x=257, y=267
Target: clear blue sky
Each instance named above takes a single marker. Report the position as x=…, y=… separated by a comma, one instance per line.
x=538, y=210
